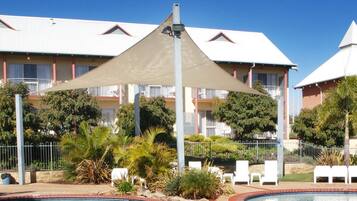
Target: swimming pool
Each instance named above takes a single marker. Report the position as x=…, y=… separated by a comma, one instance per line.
x=320, y=196
x=68, y=199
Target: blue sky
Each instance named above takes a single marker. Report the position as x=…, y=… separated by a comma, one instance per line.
x=307, y=31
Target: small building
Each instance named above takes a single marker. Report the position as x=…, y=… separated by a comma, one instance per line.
x=327, y=75
x=44, y=51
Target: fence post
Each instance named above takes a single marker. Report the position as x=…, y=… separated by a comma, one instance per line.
x=300, y=151
x=210, y=150
x=257, y=150
x=51, y=155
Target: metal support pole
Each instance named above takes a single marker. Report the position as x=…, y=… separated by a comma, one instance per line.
x=20, y=139
x=137, y=110
x=179, y=91
x=280, y=136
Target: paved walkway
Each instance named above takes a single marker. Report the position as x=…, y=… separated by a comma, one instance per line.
x=53, y=189
x=38, y=189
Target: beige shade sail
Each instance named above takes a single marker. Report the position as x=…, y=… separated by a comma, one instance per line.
x=151, y=61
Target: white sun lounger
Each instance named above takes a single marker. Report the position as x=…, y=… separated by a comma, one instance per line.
x=322, y=171
x=195, y=165
x=242, y=172
x=120, y=174
x=270, y=172
x=352, y=172
x=339, y=171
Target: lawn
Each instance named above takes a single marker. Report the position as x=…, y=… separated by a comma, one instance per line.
x=305, y=177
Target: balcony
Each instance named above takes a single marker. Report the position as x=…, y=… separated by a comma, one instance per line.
x=107, y=91
x=35, y=85
x=211, y=93
x=157, y=91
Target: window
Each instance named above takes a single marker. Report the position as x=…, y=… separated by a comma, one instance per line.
x=108, y=116
x=267, y=79
x=270, y=82
x=82, y=69
x=155, y=91
x=210, y=124
x=36, y=76
x=29, y=71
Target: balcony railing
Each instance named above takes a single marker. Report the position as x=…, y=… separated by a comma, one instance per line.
x=107, y=91
x=211, y=93
x=273, y=90
x=157, y=90
x=35, y=85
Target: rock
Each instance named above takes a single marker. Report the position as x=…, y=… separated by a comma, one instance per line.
x=158, y=195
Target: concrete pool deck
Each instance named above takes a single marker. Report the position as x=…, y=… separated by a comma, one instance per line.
x=242, y=191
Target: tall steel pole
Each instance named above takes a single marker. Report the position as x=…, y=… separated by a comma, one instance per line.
x=137, y=110
x=179, y=91
x=20, y=139
x=280, y=136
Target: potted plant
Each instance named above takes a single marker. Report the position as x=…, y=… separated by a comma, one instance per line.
x=5, y=178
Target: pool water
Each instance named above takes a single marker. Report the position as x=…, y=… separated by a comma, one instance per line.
x=307, y=197
x=72, y=199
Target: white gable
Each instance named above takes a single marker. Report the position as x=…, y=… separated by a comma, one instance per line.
x=343, y=63
x=350, y=37
x=85, y=37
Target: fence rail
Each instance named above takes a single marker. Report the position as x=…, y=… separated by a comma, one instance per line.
x=47, y=156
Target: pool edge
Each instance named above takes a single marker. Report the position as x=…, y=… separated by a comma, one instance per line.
x=244, y=196
x=10, y=197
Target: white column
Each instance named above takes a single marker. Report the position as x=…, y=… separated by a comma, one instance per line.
x=179, y=92
x=20, y=139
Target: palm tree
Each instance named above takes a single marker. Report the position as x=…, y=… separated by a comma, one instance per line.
x=147, y=158
x=341, y=103
x=91, y=151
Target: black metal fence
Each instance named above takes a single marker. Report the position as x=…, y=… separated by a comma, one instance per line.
x=47, y=156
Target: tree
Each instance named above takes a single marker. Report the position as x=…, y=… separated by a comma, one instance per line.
x=306, y=127
x=63, y=111
x=8, y=115
x=153, y=113
x=341, y=104
x=248, y=114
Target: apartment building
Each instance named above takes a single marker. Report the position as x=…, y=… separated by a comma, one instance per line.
x=42, y=52
x=327, y=75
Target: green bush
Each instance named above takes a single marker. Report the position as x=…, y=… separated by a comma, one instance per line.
x=173, y=186
x=197, y=184
x=124, y=187
x=195, y=138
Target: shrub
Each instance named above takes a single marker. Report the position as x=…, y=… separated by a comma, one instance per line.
x=330, y=157
x=90, y=148
x=124, y=187
x=173, y=186
x=353, y=159
x=195, y=138
x=92, y=171
x=148, y=159
x=197, y=184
